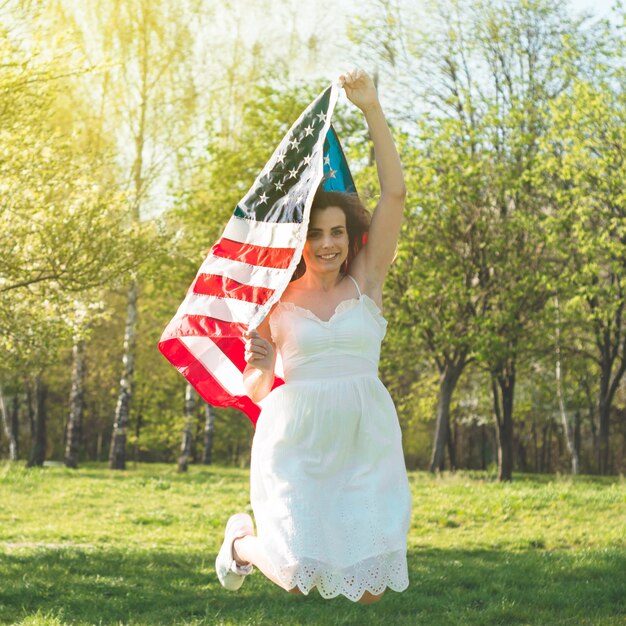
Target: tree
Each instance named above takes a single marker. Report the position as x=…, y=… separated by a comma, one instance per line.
x=585, y=163
x=62, y=230
x=187, y=442
x=486, y=72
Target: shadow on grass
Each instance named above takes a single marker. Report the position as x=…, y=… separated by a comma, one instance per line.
x=447, y=587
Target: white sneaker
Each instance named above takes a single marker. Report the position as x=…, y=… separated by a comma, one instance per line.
x=228, y=572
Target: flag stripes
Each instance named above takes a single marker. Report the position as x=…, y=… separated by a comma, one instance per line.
x=269, y=234
x=225, y=309
x=205, y=383
x=214, y=285
x=249, y=267
x=278, y=258
x=245, y=273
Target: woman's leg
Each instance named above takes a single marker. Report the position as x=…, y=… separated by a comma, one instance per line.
x=368, y=598
x=249, y=549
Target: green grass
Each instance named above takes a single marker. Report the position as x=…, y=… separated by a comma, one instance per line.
x=137, y=547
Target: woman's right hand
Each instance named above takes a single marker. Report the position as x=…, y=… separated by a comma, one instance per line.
x=259, y=352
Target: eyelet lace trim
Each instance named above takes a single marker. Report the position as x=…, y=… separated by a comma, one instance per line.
x=374, y=574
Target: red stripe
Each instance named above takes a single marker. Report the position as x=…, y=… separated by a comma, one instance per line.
x=222, y=286
x=227, y=336
x=278, y=258
x=203, y=382
x=234, y=348
x=202, y=326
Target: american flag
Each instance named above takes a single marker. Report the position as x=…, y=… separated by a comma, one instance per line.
x=251, y=264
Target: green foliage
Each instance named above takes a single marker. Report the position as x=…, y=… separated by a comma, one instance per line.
x=64, y=231
x=493, y=99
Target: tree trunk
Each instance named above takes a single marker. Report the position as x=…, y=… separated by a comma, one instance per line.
x=451, y=441
x=533, y=434
x=11, y=425
x=117, y=454
x=209, y=428
x=503, y=386
x=577, y=434
x=38, y=449
x=567, y=427
x=448, y=378
x=15, y=430
x=483, y=447
x=185, y=448
x=77, y=396
x=604, y=413
x=610, y=379
x=29, y=409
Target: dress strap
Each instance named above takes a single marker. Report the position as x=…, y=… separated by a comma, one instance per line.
x=355, y=284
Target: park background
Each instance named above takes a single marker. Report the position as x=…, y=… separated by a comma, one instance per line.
x=128, y=132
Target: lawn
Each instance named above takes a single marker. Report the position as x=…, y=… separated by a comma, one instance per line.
x=137, y=547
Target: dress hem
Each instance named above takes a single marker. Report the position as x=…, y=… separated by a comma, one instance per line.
x=373, y=575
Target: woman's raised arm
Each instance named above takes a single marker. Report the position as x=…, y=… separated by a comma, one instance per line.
x=375, y=258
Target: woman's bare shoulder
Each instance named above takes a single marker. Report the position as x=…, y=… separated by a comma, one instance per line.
x=293, y=291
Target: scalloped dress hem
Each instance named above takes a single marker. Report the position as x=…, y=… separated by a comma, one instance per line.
x=373, y=575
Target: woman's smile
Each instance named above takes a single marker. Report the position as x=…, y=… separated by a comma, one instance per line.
x=327, y=240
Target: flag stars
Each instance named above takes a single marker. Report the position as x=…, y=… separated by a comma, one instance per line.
x=321, y=116
x=307, y=159
x=263, y=198
x=294, y=143
x=331, y=173
x=308, y=130
x=280, y=157
x=279, y=186
x=293, y=173
x=327, y=160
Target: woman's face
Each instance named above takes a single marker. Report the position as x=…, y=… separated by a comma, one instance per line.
x=327, y=242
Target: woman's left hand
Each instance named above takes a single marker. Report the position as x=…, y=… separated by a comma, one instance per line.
x=359, y=88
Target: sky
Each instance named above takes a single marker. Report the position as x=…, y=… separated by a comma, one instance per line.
x=327, y=19
x=597, y=7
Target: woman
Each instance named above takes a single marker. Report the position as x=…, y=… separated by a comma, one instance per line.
x=328, y=482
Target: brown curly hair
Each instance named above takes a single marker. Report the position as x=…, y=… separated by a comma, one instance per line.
x=357, y=222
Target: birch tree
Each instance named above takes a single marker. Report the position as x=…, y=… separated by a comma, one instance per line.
x=186, y=452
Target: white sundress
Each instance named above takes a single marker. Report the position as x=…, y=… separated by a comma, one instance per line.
x=328, y=482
